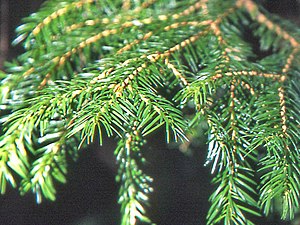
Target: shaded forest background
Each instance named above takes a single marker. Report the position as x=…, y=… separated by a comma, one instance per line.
x=181, y=182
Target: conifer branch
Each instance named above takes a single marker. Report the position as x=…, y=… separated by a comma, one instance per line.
x=58, y=13
x=128, y=68
x=288, y=190
x=135, y=186
x=59, y=61
x=115, y=20
x=126, y=4
x=254, y=11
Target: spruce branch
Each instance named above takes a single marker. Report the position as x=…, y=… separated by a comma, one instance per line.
x=135, y=185
x=128, y=68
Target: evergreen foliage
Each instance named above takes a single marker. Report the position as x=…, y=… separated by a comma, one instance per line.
x=122, y=68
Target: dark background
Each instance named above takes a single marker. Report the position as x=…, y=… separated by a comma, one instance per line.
x=181, y=182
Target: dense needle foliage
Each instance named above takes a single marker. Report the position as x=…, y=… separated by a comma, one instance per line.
x=122, y=68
